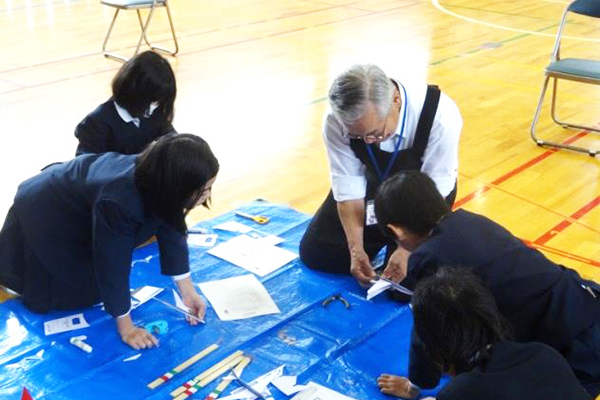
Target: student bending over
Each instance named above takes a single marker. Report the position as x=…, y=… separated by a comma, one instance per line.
x=545, y=302
x=68, y=239
x=463, y=332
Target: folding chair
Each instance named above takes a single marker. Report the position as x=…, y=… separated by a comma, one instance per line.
x=137, y=5
x=573, y=69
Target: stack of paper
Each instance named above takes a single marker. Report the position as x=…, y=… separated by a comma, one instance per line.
x=257, y=256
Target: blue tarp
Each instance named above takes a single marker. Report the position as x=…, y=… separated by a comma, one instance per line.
x=344, y=349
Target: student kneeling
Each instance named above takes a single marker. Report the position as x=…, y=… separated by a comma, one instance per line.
x=68, y=239
x=463, y=332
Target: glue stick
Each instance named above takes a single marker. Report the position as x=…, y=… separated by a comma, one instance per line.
x=78, y=341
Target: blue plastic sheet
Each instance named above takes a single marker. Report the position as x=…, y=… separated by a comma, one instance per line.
x=344, y=349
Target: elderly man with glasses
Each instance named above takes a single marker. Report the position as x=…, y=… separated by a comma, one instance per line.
x=377, y=126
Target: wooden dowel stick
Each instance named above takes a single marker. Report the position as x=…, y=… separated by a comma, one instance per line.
x=208, y=379
x=226, y=380
x=192, y=382
x=168, y=375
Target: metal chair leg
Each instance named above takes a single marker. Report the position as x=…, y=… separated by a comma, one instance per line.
x=165, y=50
x=144, y=29
x=537, y=113
x=565, y=124
x=144, y=35
x=110, y=28
x=172, y=28
x=139, y=15
x=540, y=142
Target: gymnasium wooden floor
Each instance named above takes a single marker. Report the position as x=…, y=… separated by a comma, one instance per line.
x=253, y=76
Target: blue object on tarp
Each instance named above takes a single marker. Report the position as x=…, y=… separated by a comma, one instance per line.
x=343, y=348
x=159, y=327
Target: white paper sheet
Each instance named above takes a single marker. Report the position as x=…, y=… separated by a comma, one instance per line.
x=233, y=226
x=65, y=324
x=265, y=237
x=378, y=288
x=314, y=391
x=238, y=298
x=202, y=240
x=132, y=358
x=253, y=255
x=287, y=385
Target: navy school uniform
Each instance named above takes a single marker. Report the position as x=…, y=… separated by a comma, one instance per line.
x=544, y=302
x=516, y=371
x=68, y=238
x=104, y=130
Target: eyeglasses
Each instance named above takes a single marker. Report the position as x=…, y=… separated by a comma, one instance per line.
x=372, y=137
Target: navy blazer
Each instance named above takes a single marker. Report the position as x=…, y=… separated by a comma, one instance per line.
x=517, y=371
x=103, y=130
x=84, y=218
x=545, y=302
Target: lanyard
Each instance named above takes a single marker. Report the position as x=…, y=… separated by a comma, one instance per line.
x=370, y=150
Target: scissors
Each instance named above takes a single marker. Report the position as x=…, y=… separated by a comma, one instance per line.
x=247, y=386
x=259, y=219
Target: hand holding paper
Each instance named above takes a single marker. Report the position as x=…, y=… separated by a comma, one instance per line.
x=190, y=301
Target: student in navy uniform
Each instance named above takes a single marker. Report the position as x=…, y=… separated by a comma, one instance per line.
x=544, y=302
x=376, y=127
x=139, y=111
x=463, y=332
x=68, y=239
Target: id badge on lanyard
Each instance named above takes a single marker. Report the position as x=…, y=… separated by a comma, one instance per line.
x=370, y=218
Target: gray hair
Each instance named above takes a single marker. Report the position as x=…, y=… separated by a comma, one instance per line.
x=353, y=89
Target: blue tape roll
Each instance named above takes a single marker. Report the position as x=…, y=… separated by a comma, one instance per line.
x=159, y=327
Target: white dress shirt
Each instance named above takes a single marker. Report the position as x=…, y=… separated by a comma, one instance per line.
x=440, y=160
x=127, y=118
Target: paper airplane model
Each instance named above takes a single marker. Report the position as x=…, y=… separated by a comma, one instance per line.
x=259, y=384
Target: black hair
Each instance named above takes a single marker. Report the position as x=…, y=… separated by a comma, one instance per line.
x=171, y=174
x=411, y=200
x=456, y=317
x=143, y=80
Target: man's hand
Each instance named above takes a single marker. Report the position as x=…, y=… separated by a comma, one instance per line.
x=397, y=386
x=397, y=265
x=360, y=266
x=138, y=338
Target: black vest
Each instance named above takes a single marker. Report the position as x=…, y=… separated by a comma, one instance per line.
x=407, y=159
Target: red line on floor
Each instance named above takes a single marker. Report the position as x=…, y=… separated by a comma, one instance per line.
x=561, y=226
x=459, y=203
x=586, y=209
x=563, y=253
x=473, y=195
x=523, y=167
x=553, y=232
